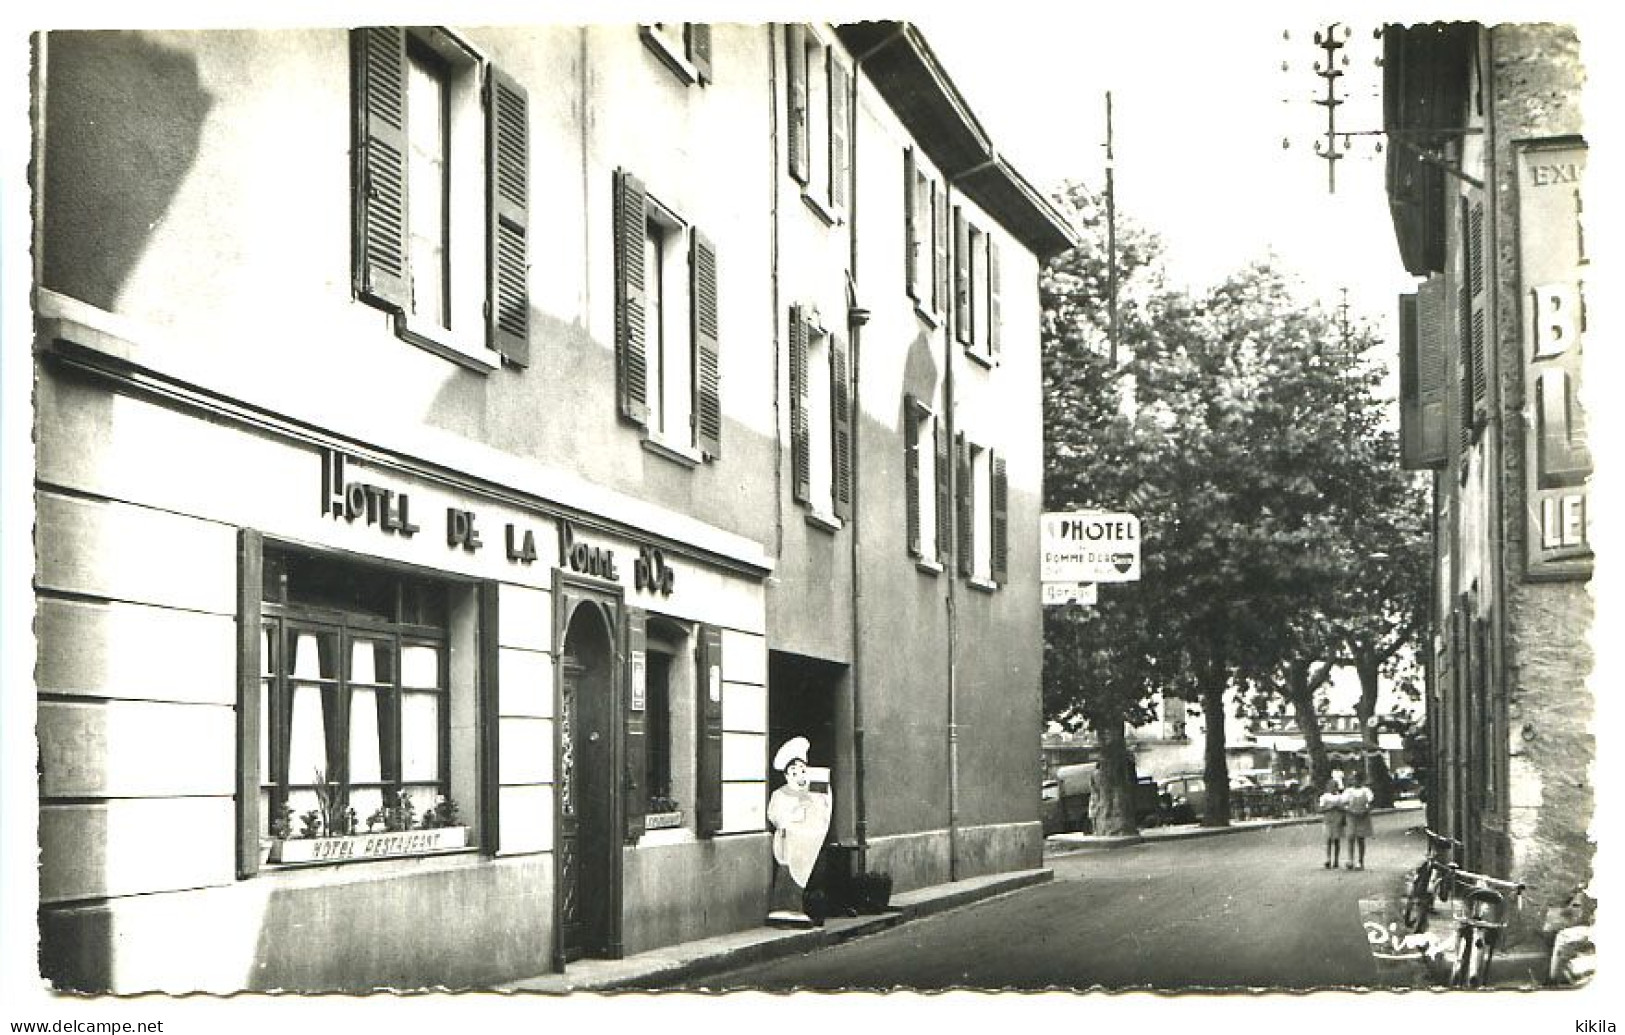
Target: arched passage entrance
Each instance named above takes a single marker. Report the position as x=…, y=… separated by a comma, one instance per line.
x=588, y=846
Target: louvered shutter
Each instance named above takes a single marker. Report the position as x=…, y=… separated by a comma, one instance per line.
x=911, y=473
x=840, y=413
x=635, y=747
x=507, y=113
x=631, y=344
x=382, y=270
x=251, y=719
x=993, y=336
x=1478, y=302
x=708, y=369
x=939, y=248
x=699, y=49
x=912, y=206
x=1001, y=519
x=962, y=285
x=1432, y=372
x=800, y=457
x=1410, y=416
x=839, y=152
x=966, y=516
x=944, y=487
x=795, y=64
x=708, y=712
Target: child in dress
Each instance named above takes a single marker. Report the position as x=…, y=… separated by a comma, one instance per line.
x=1357, y=804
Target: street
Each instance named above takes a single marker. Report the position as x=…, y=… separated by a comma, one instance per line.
x=1253, y=909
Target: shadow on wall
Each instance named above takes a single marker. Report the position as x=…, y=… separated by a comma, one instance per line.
x=123, y=120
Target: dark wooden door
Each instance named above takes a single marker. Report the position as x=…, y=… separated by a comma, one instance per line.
x=586, y=842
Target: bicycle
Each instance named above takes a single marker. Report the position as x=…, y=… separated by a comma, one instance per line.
x=1479, y=923
x=1427, y=881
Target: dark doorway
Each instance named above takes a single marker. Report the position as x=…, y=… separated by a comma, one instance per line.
x=586, y=786
x=801, y=696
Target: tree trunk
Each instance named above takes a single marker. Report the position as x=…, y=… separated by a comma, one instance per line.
x=1303, y=706
x=1376, y=763
x=1111, y=806
x=1216, y=768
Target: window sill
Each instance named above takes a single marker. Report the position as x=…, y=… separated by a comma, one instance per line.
x=979, y=354
x=669, y=55
x=683, y=456
x=823, y=522
x=830, y=216
x=333, y=851
x=982, y=584
x=925, y=567
x=440, y=341
x=926, y=316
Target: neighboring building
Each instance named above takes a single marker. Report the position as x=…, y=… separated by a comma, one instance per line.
x=499, y=440
x=1486, y=175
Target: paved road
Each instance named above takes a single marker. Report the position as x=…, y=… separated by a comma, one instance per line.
x=1253, y=909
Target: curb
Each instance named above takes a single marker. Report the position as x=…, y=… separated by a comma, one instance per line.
x=684, y=963
x=1084, y=842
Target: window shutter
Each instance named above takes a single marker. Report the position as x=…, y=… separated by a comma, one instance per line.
x=795, y=63
x=699, y=49
x=839, y=152
x=708, y=766
x=635, y=745
x=631, y=349
x=911, y=225
x=944, y=497
x=962, y=329
x=911, y=472
x=707, y=361
x=966, y=516
x=939, y=247
x=800, y=457
x=507, y=115
x=250, y=641
x=840, y=412
x=1001, y=520
x=382, y=272
x=1480, y=312
x=1432, y=372
x=993, y=335
x=1410, y=416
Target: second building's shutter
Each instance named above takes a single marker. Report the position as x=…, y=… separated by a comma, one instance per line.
x=631, y=347
x=708, y=712
x=708, y=368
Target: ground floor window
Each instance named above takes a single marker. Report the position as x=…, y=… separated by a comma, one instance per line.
x=358, y=699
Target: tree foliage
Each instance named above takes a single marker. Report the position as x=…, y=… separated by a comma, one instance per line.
x=1244, y=428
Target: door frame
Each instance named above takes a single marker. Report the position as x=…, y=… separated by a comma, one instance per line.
x=570, y=594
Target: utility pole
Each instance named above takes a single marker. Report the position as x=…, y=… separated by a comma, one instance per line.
x=1331, y=40
x=1111, y=239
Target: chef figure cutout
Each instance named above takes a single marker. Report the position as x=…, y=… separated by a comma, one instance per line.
x=799, y=813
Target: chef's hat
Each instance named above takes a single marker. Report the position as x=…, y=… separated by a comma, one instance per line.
x=794, y=749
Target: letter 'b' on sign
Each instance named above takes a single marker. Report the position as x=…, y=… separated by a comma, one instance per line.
x=1089, y=546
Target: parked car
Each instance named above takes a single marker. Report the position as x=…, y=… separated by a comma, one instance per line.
x=1184, y=798
x=1049, y=807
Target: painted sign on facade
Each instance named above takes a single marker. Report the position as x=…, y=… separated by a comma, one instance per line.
x=1552, y=269
x=1089, y=546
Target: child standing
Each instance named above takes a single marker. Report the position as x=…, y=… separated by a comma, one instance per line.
x=1357, y=803
x=1331, y=816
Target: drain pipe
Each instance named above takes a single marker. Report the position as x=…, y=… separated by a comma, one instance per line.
x=950, y=330
x=856, y=317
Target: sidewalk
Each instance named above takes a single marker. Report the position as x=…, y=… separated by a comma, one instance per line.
x=688, y=961
x=1058, y=843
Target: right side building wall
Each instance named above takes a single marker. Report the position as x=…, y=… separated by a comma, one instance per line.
x=1492, y=220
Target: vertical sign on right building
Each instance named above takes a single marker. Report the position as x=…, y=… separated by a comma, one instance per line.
x=1552, y=267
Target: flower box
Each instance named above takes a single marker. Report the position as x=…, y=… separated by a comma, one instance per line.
x=663, y=820
x=381, y=845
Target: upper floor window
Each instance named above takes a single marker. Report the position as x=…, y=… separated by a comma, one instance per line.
x=925, y=468
x=983, y=516
x=925, y=229
x=666, y=335
x=977, y=321
x=819, y=86
x=683, y=47
x=820, y=418
x=441, y=188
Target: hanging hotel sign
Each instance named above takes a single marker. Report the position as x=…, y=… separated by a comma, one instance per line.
x=1089, y=546
x=1552, y=267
